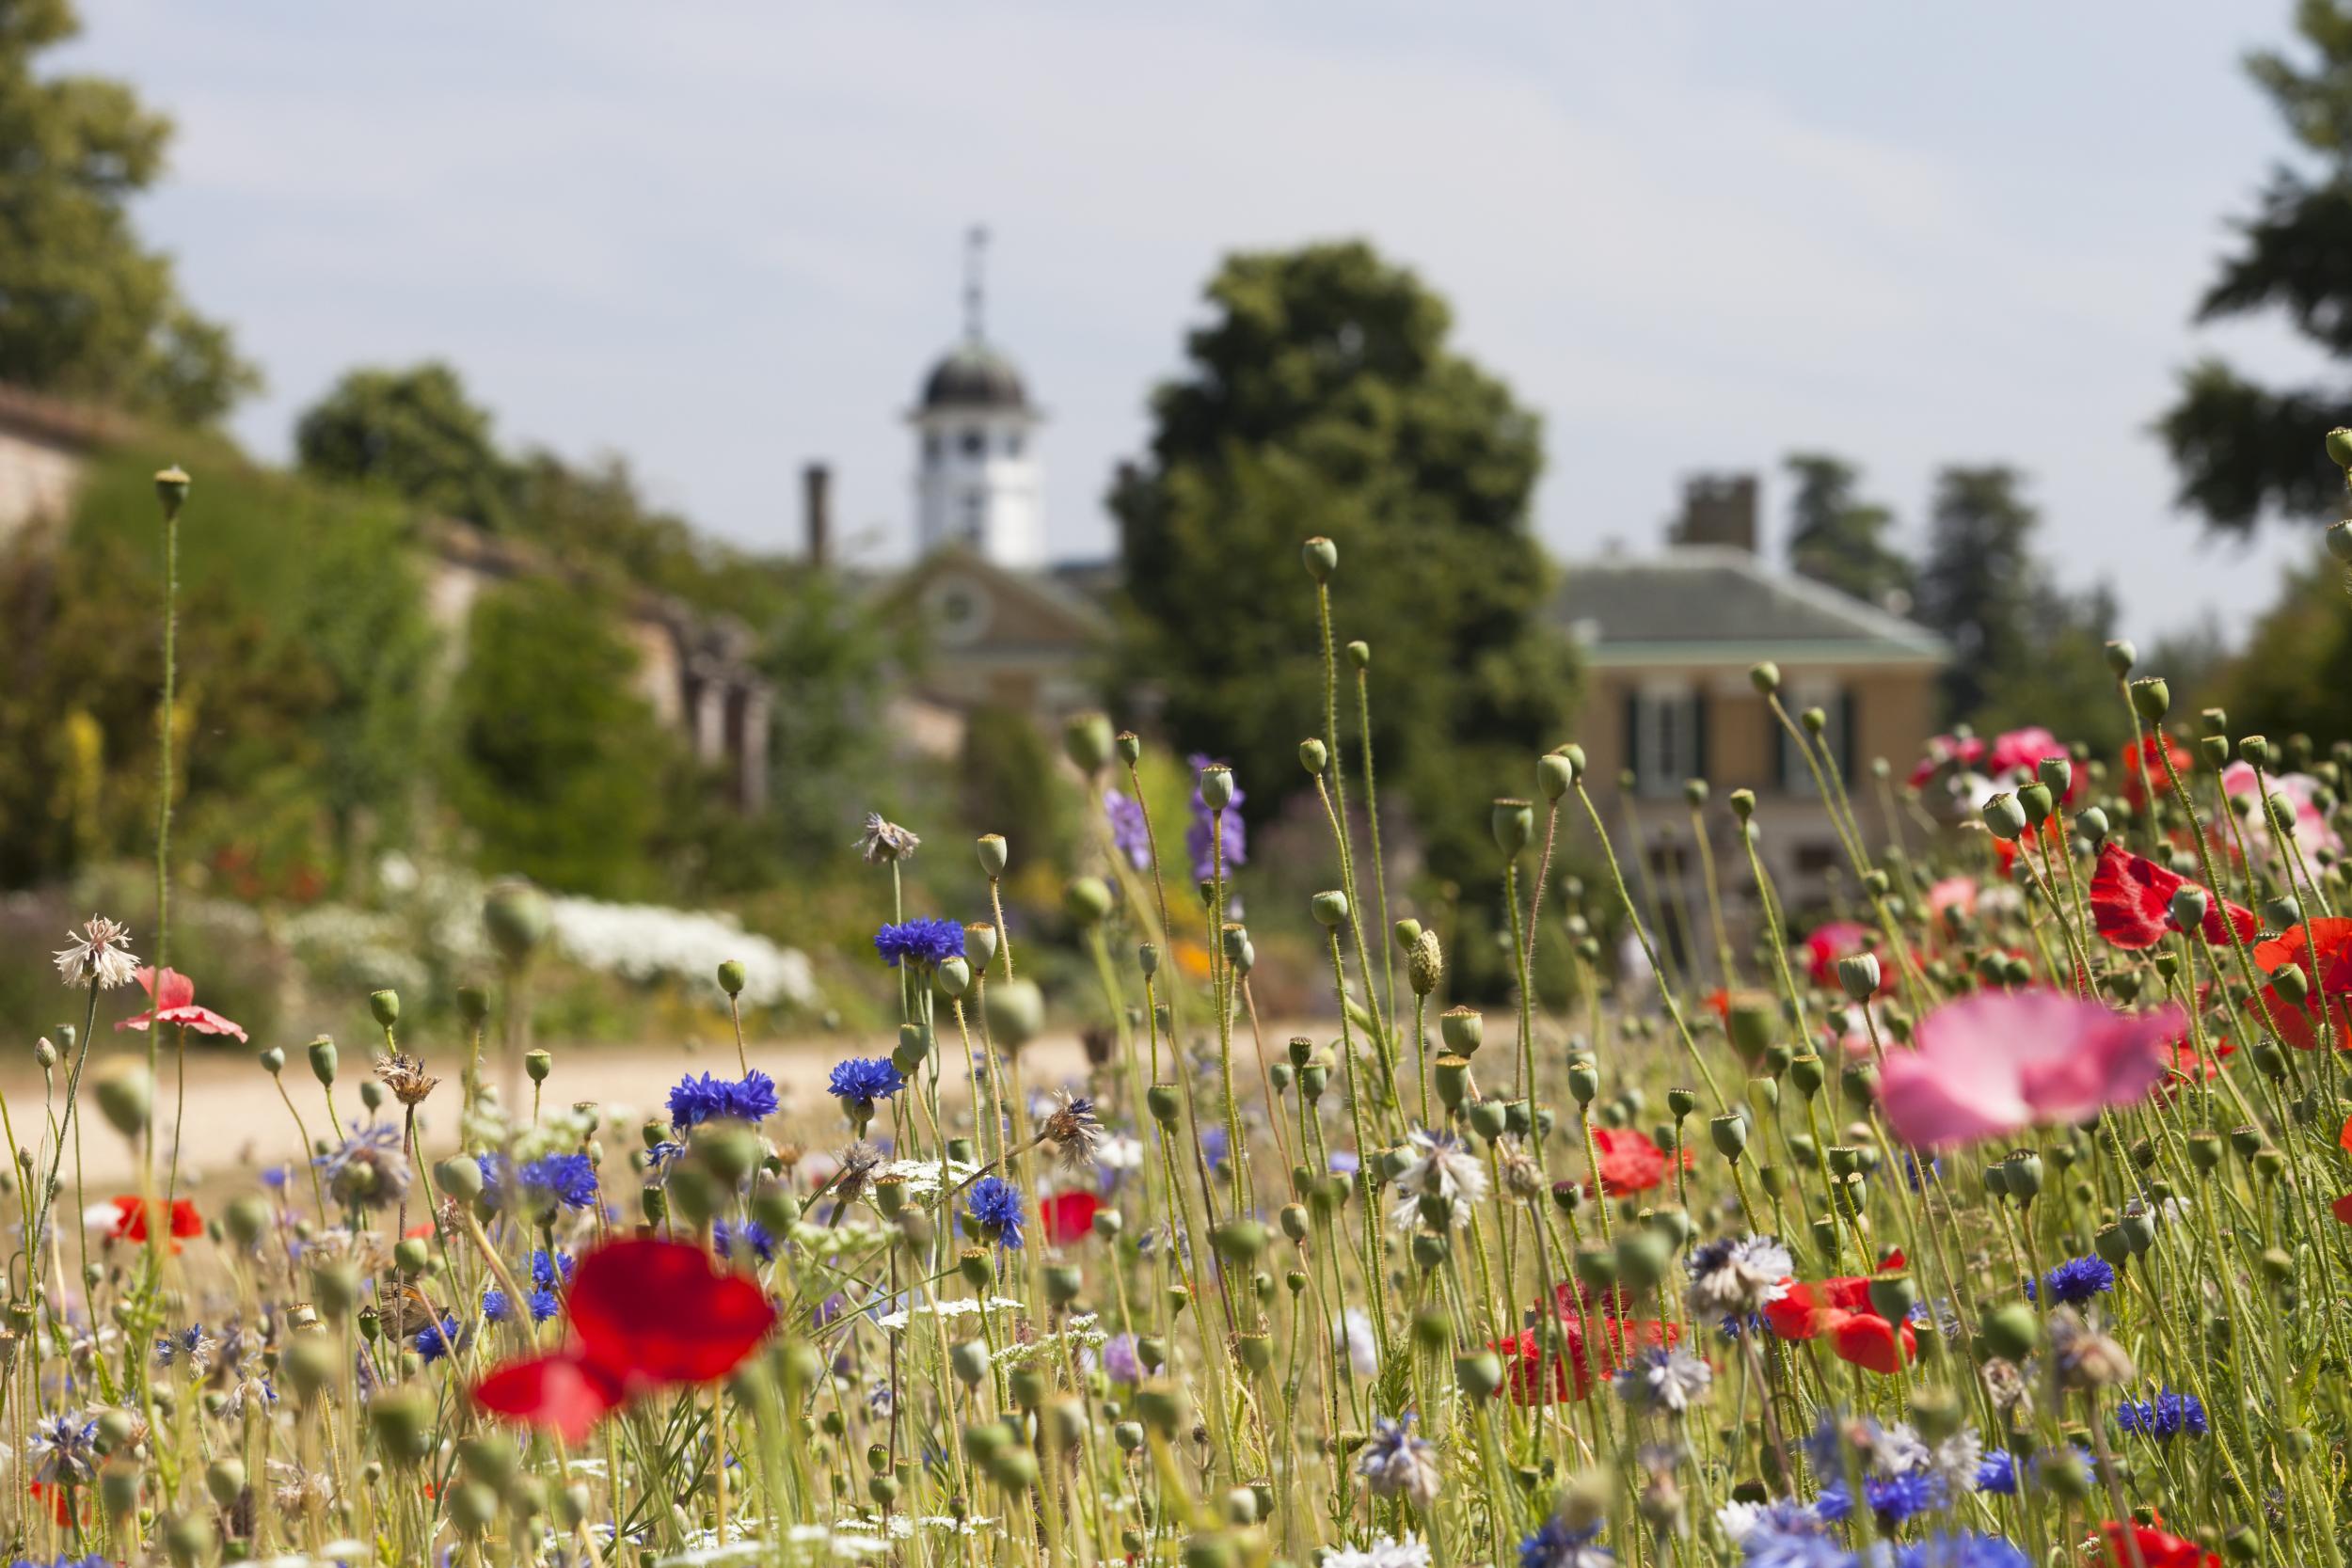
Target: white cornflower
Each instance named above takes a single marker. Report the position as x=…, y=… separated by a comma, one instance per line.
x=1362, y=1349
x=1665, y=1380
x=885, y=841
x=1411, y=1552
x=1737, y=1278
x=98, y=956
x=1442, y=1164
x=1396, y=1463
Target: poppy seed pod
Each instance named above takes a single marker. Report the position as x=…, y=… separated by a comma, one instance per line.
x=516, y=916
x=992, y=852
x=1359, y=654
x=1313, y=757
x=1217, y=787
x=323, y=1061
x=384, y=1006
x=953, y=975
x=1742, y=804
x=1320, y=557
x=1514, y=824
x=1450, y=1077
x=1554, y=774
x=1086, y=900
x=2034, y=800
x=126, y=1094
x=1085, y=739
x=2056, y=775
x=537, y=1064
x=1858, y=976
x=2151, y=698
x=2121, y=656
x=2092, y=822
x=2339, y=450
x=1015, y=1012
x=1462, y=1029
x=2255, y=750
x=2340, y=540
x=1765, y=678
x=1425, y=964
x=2188, y=907
x=2003, y=817
x=914, y=1045
x=1330, y=908
x=731, y=976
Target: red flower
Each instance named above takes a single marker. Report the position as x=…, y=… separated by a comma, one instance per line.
x=131, y=1220
x=1831, y=942
x=54, y=1495
x=172, y=1000
x=644, y=1313
x=1068, y=1216
x=2326, y=965
x=2156, y=1548
x=2143, y=769
x=1804, y=1310
x=2342, y=1209
x=1539, y=1376
x=2019, y=753
x=2131, y=903
x=1870, y=1342
x=1967, y=750
x=1629, y=1162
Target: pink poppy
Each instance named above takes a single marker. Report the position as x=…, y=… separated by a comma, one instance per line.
x=1952, y=892
x=1963, y=751
x=2018, y=753
x=2312, y=832
x=172, y=995
x=1991, y=1064
x=1833, y=940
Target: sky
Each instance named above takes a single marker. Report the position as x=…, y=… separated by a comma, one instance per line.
x=724, y=239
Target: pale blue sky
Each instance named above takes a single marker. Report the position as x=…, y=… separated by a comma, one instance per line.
x=723, y=238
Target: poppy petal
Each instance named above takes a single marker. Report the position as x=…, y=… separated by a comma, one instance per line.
x=646, y=1310
x=561, y=1393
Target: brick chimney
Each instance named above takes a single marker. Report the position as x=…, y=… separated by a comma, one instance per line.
x=1717, y=508
x=816, y=510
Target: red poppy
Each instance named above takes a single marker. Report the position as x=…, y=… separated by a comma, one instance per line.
x=643, y=1314
x=2131, y=903
x=1804, y=1310
x=1830, y=942
x=2326, y=961
x=2156, y=1548
x=2342, y=1209
x=1069, y=1216
x=1872, y=1343
x=2186, y=1064
x=131, y=1220
x=1537, y=1375
x=54, y=1495
x=1629, y=1162
x=172, y=1000
x=2143, y=766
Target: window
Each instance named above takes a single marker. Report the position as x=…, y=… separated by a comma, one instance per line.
x=1837, y=709
x=975, y=442
x=1665, y=739
x=1012, y=443
x=975, y=516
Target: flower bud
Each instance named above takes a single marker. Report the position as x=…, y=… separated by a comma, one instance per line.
x=1765, y=678
x=2121, y=656
x=1313, y=757
x=1086, y=740
x=1425, y=964
x=1320, y=557
x=1514, y=825
x=1359, y=654
x=731, y=976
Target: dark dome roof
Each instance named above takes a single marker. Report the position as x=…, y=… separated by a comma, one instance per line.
x=973, y=375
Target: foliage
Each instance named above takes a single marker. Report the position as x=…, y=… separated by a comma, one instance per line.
x=2294, y=672
x=2242, y=450
x=85, y=309
x=1977, y=585
x=558, y=764
x=1009, y=777
x=1837, y=538
x=1323, y=398
x=414, y=433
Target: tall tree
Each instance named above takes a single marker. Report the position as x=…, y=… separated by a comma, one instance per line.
x=1837, y=538
x=415, y=433
x=85, y=309
x=1323, y=396
x=2244, y=450
x=1976, y=587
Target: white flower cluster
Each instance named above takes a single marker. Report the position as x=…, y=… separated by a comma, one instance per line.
x=1085, y=1331
x=646, y=942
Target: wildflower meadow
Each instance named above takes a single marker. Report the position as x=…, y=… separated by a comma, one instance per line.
x=1995, y=1219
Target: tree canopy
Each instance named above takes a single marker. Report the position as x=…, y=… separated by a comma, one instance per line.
x=86, y=310
x=2244, y=451
x=415, y=433
x=1837, y=538
x=1323, y=397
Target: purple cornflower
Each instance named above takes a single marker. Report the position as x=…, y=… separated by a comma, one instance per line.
x=1130, y=834
x=1200, y=840
x=751, y=1233
x=709, y=1099
x=862, y=1080
x=2164, y=1418
x=995, y=1212
x=2075, y=1281
x=1963, y=1550
x=923, y=942
x=1121, y=1363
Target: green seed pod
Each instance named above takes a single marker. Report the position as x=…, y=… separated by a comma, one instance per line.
x=2034, y=801
x=223, y=1479
x=189, y=1541
x=1893, y=1297
x=1161, y=1406
x=1320, y=557
x=1479, y=1374
x=1729, y=1133
x=1804, y=1073
x=1330, y=908
x=968, y=1359
x=1765, y=678
x=1087, y=739
x=1164, y=1102
x=1313, y=757
x=1254, y=1349
x=1086, y=900
x=1015, y=1010
x=1489, y=1119
x=2151, y=698
x=1240, y=1241
x=2003, y=817
x=1555, y=775
x=731, y=976
x=537, y=1064
x=1752, y=1024
x=1583, y=1080
x=1462, y=1030
x=516, y=916
x=1514, y=825
x=125, y=1091
x=1215, y=785
x=1642, y=1257
x=2012, y=1331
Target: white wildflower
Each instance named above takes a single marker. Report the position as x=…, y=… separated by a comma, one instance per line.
x=98, y=955
x=1441, y=1166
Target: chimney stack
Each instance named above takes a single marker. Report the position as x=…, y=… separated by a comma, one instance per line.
x=1719, y=510
x=816, y=510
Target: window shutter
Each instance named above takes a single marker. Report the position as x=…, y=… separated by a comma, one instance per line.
x=1631, y=761
x=1698, y=734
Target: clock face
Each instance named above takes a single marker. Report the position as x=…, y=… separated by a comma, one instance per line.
x=957, y=611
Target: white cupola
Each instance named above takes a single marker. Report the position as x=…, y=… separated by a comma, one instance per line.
x=976, y=478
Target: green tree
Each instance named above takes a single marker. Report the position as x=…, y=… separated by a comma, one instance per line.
x=85, y=309
x=1323, y=396
x=560, y=766
x=1977, y=586
x=2059, y=678
x=2244, y=450
x=415, y=433
x=1837, y=538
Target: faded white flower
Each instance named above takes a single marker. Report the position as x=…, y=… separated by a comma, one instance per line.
x=1074, y=1130
x=1441, y=1166
x=98, y=955
x=1738, y=1278
x=1396, y=1463
x=1664, y=1380
x=1362, y=1348
x=1387, y=1552
x=885, y=841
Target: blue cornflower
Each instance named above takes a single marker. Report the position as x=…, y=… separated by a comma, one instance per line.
x=570, y=1180
x=2164, y=1418
x=1896, y=1499
x=93, y=1561
x=1200, y=841
x=1770, y=1547
x=709, y=1099
x=276, y=1177
x=1215, y=1146
x=862, y=1080
x=543, y=1268
x=543, y=1304
x=995, y=1210
x=924, y=942
x=433, y=1340
x=1996, y=1473
x=1963, y=1550
x=1557, y=1545
x=751, y=1233
x=1130, y=835
x=2075, y=1281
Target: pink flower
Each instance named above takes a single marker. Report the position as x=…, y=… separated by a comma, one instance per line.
x=2312, y=832
x=1830, y=942
x=172, y=995
x=1962, y=750
x=2019, y=751
x=1994, y=1063
x=1952, y=892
